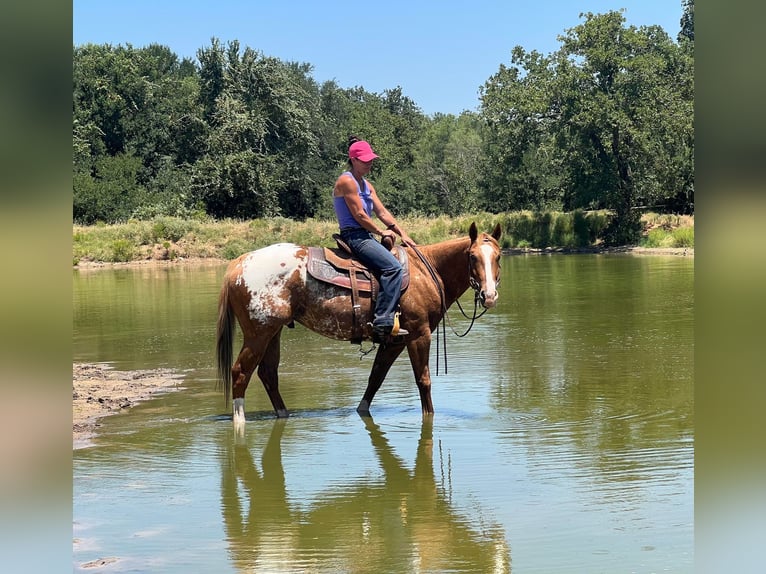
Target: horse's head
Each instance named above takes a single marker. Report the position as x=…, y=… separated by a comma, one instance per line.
x=484, y=264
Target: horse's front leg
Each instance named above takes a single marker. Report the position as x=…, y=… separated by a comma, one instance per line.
x=419, y=351
x=384, y=358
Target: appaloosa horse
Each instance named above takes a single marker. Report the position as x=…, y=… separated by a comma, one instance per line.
x=270, y=288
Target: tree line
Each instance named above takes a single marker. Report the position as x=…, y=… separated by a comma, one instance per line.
x=604, y=122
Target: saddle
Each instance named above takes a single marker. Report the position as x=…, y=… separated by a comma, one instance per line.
x=337, y=266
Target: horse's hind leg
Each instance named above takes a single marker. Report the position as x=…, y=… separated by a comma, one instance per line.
x=267, y=372
x=261, y=352
x=384, y=358
x=241, y=371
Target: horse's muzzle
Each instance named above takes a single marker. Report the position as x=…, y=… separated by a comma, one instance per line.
x=488, y=300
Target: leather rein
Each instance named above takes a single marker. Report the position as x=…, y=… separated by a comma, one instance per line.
x=439, y=285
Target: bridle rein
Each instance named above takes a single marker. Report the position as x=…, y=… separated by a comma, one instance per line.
x=439, y=285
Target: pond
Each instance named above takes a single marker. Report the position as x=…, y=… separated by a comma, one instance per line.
x=563, y=439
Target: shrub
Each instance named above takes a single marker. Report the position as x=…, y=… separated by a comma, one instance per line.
x=597, y=223
x=683, y=237
x=234, y=249
x=581, y=228
x=170, y=228
x=122, y=251
x=562, y=234
x=656, y=237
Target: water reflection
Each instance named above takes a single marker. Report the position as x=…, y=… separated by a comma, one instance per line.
x=402, y=522
x=565, y=426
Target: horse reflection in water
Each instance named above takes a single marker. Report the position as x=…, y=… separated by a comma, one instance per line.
x=271, y=288
x=404, y=522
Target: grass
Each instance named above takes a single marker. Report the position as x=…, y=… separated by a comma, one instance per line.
x=674, y=231
x=172, y=238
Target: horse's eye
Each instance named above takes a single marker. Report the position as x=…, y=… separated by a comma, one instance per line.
x=473, y=258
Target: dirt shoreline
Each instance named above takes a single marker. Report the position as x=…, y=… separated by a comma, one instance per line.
x=99, y=391
x=211, y=261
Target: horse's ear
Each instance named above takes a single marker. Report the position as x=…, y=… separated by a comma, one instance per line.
x=473, y=233
x=497, y=232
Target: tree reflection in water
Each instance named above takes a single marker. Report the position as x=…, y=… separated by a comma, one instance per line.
x=403, y=523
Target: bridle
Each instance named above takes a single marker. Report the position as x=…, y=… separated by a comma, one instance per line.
x=477, y=296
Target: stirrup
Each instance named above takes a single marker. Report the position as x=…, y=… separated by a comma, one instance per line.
x=396, y=330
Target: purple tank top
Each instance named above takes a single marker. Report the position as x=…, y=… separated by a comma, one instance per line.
x=345, y=219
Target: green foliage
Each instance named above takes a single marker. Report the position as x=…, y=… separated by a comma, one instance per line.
x=122, y=250
x=171, y=228
x=665, y=237
x=581, y=128
x=525, y=229
x=603, y=123
x=111, y=193
x=580, y=229
x=230, y=238
x=683, y=237
x=235, y=248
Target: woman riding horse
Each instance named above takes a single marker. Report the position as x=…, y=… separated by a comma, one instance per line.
x=271, y=288
x=355, y=200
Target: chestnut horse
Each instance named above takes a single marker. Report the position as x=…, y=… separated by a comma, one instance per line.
x=270, y=288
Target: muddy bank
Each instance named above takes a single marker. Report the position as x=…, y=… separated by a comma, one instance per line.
x=99, y=391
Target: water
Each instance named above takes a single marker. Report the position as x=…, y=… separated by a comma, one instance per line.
x=562, y=439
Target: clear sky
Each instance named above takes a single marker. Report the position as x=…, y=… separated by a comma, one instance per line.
x=438, y=52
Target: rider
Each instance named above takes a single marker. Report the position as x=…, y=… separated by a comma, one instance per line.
x=355, y=200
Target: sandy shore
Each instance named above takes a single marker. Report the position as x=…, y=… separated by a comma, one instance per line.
x=99, y=391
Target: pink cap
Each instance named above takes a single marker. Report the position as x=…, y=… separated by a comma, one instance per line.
x=361, y=151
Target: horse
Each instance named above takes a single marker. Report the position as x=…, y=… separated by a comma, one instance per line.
x=271, y=288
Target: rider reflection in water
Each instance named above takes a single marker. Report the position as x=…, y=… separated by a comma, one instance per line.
x=355, y=200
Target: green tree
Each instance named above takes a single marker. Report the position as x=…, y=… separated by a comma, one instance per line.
x=448, y=163
x=606, y=121
x=110, y=193
x=687, y=22
x=261, y=134
x=523, y=164
x=137, y=103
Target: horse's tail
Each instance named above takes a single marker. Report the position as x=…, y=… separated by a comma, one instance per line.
x=224, y=338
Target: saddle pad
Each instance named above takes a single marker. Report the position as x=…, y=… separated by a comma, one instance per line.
x=334, y=266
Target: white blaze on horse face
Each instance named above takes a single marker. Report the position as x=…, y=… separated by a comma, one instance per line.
x=265, y=273
x=490, y=288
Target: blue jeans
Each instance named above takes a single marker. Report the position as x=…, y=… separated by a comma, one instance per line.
x=386, y=268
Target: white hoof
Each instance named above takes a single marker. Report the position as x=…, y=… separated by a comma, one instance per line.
x=238, y=415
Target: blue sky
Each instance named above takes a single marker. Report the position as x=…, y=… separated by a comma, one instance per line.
x=440, y=53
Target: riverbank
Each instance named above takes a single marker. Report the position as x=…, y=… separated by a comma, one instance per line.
x=99, y=391
x=216, y=261
x=172, y=239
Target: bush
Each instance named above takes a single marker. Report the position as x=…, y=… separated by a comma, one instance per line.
x=234, y=249
x=122, y=251
x=683, y=237
x=657, y=237
x=597, y=223
x=170, y=228
x=624, y=229
x=562, y=234
x=580, y=228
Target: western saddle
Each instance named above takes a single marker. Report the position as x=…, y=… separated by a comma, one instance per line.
x=338, y=266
